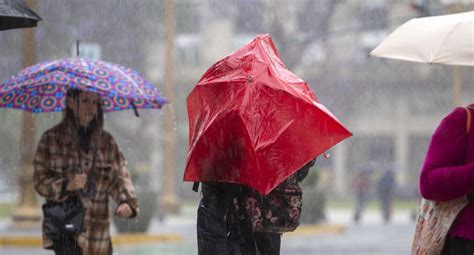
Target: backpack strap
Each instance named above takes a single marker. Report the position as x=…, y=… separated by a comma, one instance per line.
x=468, y=120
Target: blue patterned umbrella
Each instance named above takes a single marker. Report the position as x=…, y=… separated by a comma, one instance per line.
x=42, y=87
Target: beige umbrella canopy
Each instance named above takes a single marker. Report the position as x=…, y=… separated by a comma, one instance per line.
x=446, y=39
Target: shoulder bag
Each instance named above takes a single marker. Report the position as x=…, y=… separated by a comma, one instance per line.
x=435, y=219
x=66, y=218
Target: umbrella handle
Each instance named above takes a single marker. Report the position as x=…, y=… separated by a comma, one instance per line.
x=134, y=108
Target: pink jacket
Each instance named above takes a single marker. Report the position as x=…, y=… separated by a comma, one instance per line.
x=448, y=170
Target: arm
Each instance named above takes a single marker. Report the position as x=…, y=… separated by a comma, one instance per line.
x=445, y=175
x=48, y=183
x=122, y=190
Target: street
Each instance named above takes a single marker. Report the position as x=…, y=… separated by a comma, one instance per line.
x=369, y=237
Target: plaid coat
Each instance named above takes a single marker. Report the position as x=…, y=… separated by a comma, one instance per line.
x=56, y=162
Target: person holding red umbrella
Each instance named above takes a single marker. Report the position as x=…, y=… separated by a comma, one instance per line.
x=255, y=129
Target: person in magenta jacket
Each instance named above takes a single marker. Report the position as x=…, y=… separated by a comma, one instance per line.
x=448, y=173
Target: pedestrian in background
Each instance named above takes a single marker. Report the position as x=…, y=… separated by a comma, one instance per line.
x=361, y=187
x=385, y=193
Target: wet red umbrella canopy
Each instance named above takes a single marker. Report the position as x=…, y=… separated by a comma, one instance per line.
x=253, y=122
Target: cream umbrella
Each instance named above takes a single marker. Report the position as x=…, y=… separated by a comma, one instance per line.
x=445, y=39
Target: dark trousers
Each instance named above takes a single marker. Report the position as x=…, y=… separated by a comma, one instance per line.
x=252, y=243
x=361, y=203
x=66, y=246
x=261, y=244
x=218, y=232
x=458, y=246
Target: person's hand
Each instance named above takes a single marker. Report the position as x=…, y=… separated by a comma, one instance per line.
x=77, y=183
x=124, y=211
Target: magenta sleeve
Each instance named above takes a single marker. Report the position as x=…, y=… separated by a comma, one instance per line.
x=445, y=175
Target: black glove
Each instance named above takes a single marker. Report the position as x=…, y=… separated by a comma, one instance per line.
x=303, y=172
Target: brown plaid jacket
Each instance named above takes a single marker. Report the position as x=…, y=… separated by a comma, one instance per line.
x=56, y=161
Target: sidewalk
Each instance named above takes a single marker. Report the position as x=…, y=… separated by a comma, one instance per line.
x=158, y=233
x=176, y=228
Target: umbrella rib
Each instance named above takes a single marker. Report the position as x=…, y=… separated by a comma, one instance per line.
x=274, y=139
x=444, y=40
x=127, y=76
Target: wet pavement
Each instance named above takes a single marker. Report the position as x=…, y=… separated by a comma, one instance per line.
x=370, y=236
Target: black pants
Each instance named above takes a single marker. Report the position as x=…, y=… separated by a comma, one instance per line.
x=261, y=244
x=66, y=246
x=218, y=234
x=458, y=246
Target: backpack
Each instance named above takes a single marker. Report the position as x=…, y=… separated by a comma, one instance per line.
x=277, y=212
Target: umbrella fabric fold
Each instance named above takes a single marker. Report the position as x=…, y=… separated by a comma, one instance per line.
x=253, y=122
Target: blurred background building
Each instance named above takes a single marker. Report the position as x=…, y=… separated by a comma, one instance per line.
x=392, y=107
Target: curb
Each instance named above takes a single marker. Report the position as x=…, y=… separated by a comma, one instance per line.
x=22, y=241
x=121, y=239
x=127, y=239
x=312, y=229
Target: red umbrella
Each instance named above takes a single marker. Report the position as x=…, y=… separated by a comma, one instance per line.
x=253, y=122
